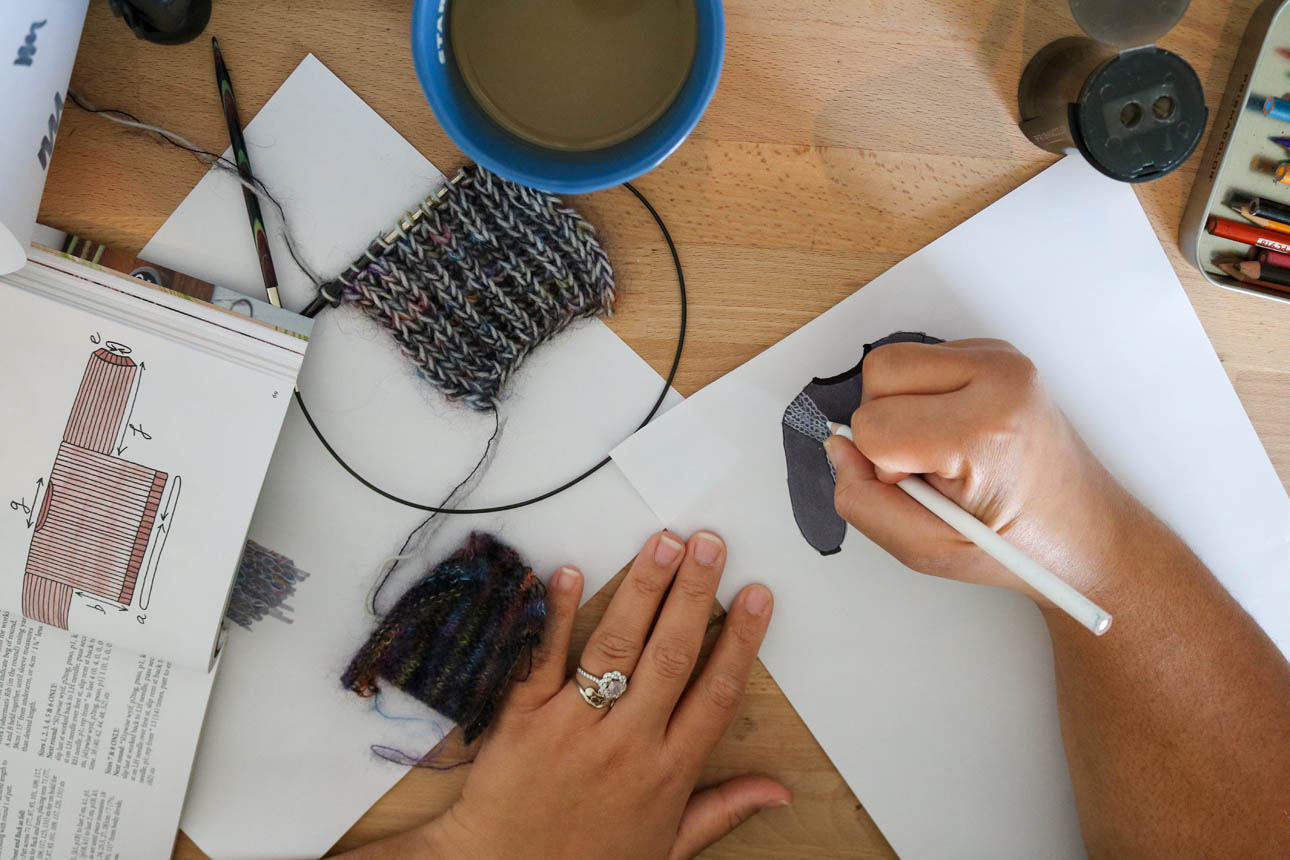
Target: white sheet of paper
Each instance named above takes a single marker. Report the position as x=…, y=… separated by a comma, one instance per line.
x=39, y=39
x=936, y=699
x=284, y=766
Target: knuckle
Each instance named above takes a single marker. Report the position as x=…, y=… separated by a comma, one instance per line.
x=881, y=360
x=673, y=660
x=723, y=690
x=614, y=647
x=1017, y=368
x=846, y=499
x=647, y=586
x=870, y=425
x=694, y=589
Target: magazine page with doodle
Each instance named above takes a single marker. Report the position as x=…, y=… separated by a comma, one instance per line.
x=129, y=459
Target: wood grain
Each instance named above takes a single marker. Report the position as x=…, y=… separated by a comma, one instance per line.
x=845, y=135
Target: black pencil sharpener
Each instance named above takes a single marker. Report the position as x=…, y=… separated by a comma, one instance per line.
x=1133, y=110
x=165, y=22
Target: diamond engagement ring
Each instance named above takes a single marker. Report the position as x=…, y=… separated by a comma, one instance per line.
x=608, y=688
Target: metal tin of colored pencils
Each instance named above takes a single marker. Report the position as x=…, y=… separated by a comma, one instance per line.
x=1243, y=149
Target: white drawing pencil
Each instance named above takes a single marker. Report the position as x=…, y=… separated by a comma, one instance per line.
x=1038, y=577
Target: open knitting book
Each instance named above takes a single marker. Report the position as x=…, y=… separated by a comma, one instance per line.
x=138, y=427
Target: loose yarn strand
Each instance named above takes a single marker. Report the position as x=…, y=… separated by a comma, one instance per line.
x=403, y=554
x=219, y=162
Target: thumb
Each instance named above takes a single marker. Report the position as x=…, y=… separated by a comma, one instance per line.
x=857, y=488
x=883, y=512
x=714, y=812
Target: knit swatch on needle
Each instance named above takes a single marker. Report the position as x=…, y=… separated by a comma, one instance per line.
x=487, y=272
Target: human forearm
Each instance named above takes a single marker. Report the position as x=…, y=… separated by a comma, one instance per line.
x=1177, y=722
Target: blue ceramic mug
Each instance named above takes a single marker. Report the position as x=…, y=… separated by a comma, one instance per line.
x=562, y=172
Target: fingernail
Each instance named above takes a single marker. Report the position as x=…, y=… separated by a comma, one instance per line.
x=667, y=550
x=707, y=548
x=566, y=579
x=828, y=449
x=777, y=804
x=757, y=600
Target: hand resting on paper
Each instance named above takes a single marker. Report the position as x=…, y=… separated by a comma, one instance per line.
x=558, y=779
x=1175, y=722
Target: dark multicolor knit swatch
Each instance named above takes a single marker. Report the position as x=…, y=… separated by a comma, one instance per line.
x=457, y=638
x=265, y=581
x=490, y=270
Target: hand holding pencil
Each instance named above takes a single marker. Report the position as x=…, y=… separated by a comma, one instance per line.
x=998, y=457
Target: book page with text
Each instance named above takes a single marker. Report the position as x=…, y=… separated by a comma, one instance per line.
x=96, y=743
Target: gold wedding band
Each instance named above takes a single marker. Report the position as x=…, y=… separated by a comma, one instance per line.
x=593, y=698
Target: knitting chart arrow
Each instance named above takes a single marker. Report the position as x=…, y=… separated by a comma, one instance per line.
x=100, y=600
x=129, y=414
x=29, y=510
x=164, y=523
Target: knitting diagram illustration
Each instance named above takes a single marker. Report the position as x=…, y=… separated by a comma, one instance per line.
x=100, y=520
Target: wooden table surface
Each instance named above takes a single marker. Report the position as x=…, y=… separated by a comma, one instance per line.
x=845, y=135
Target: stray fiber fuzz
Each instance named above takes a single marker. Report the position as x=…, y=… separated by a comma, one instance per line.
x=456, y=639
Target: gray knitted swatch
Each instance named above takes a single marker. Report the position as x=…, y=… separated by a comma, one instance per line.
x=490, y=270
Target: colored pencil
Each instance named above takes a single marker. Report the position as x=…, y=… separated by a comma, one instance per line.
x=1282, y=173
x=1263, y=164
x=1277, y=108
x=1283, y=142
x=1025, y=568
x=1226, y=228
x=1272, y=258
x=1232, y=271
x=1266, y=223
x=1265, y=208
x=258, y=234
x=1256, y=271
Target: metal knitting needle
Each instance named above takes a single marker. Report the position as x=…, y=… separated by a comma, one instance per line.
x=406, y=223
x=1029, y=571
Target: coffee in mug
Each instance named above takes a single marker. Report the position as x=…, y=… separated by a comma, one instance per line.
x=573, y=74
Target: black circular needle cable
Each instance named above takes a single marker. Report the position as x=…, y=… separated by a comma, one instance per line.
x=658, y=403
